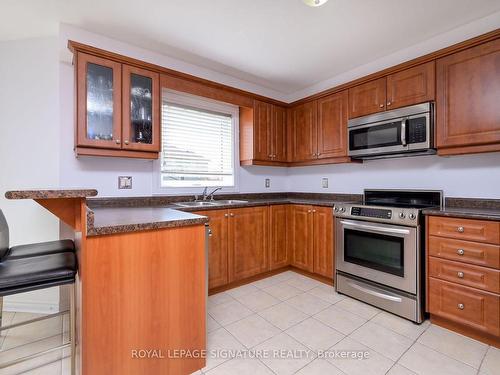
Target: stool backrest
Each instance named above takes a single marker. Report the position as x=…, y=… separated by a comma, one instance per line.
x=4, y=236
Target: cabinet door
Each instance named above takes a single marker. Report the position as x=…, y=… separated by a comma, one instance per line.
x=217, y=247
x=323, y=241
x=248, y=231
x=303, y=128
x=141, y=109
x=332, y=125
x=467, y=100
x=98, y=102
x=301, y=236
x=411, y=86
x=367, y=98
x=279, y=134
x=262, y=131
x=278, y=254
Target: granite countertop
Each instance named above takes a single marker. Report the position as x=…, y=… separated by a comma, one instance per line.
x=468, y=208
x=50, y=193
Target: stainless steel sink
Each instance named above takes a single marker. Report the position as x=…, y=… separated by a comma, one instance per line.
x=196, y=204
x=229, y=201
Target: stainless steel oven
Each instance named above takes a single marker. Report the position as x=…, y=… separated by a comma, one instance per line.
x=404, y=131
x=383, y=253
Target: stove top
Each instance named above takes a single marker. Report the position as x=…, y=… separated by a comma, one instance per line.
x=400, y=207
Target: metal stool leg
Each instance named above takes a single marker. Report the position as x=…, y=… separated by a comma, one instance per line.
x=72, y=322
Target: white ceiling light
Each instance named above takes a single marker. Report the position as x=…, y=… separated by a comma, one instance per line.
x=314, y=3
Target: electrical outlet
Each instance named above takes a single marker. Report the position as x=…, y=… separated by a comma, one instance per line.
x=124, y=182
x=324, y=183
x=268, y=182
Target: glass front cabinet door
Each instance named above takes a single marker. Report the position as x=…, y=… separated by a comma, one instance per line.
x=99, y=102
x=141, y=109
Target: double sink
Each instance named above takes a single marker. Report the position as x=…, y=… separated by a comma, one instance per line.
x=210, y=203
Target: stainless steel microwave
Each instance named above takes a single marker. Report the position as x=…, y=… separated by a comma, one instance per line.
x=407, y=131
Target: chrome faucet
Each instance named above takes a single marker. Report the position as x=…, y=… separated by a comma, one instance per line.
x=204, y=194
x=211, y=195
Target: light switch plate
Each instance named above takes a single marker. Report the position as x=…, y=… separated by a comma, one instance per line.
x=124, y=182
x=324, y=183
x=268, y=182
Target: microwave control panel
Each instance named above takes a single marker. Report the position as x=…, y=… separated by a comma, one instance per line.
x=417, y=130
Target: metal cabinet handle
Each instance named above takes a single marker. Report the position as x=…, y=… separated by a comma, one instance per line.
x=126, y=142
x=117, y=141
x=460, y=274
x=461, y=306
x=210, y=233
x=460, y=229
x=389, y=103
x=381, y=106
x=460, y=251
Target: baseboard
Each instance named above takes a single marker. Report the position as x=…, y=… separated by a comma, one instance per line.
x=30, y=307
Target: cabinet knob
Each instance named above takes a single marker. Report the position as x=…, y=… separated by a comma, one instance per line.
x=231, y=214
x=210, y=233
x=117, y=141
x=381, y=106
x=460, y=229
x=226, y=215
x=460, y=251
x=461, y=306
x=314, y=211
x=309, y=211
x=270, y=155
x=460, y=274
x=126, y=142
x=389, y=103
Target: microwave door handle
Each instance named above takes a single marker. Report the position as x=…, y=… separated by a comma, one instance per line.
x=374, y=228
x=403, y=131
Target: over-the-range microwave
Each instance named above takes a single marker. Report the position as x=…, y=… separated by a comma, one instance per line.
x=407, y=131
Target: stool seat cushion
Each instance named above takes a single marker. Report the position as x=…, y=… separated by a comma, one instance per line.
x=25, y=274
x=42, y=248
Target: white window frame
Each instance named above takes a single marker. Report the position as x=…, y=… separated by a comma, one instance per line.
x=180, y=98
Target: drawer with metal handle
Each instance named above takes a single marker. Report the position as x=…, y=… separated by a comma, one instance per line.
x=465, y=229
x=468, y=306
x=477, y=253
x=465, y=274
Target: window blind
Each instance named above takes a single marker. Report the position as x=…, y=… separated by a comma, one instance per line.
x=197, y=147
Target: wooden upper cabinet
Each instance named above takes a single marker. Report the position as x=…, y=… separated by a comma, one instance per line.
x=411, y=86
x=323, y=241
x=332, y=125
x=279, y=134
x=262, y=130
x=217, y=249
x=248, y=242
x=468, y=100
x=278, y=252
x=141, y=109
x=303, y=137
x=367, y=98
x=301, y=236
x=99, y=117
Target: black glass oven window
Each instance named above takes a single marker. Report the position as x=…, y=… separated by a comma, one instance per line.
x=380, y=252
x=375, y=136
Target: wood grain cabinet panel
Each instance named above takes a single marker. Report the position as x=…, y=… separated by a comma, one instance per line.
x=279, y=134
x=411, y=86
x=303, y=142
x=217, y=247
x=332, y=126
x=367, y=98
x=465, y=229
x=248, y=242
x=278, y=252
x=465, y=251
x=467, y=100
x=465, y=274
x=467, y=306
x=301, y=236
x=262, y=130
x=323, y=241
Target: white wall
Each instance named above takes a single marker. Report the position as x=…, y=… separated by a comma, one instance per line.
x=29, y=147
x=476, y=176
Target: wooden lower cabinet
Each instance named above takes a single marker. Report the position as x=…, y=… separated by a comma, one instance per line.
x=248, y=242
x=278, y=251
x=301, y=236
x=323, y=241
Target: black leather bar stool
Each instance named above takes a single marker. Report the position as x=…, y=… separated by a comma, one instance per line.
x=34, y=267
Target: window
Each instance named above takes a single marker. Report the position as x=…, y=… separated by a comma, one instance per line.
x=198, y=146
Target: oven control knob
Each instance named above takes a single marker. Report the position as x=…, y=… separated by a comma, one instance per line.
x=412, y=216
x=402, y=215
x=342, y=209
x=336, y=209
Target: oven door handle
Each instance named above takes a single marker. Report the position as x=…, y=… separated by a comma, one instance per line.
x=374, y=293
x=372, y=228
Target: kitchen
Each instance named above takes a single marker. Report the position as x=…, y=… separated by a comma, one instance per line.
x=300, y=165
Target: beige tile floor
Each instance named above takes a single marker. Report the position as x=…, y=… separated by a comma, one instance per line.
x=291, y=321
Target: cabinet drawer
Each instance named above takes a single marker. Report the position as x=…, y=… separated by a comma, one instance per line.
x=477, y=253
x=464, y=305
x=465, y=274
x=465, y=229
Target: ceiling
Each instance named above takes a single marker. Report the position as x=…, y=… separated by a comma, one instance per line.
x=282, y=45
